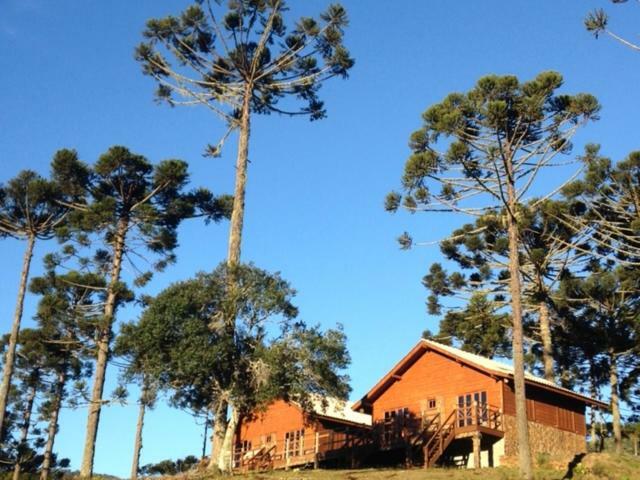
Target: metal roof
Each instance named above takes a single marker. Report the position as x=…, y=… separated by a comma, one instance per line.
x=334, y=408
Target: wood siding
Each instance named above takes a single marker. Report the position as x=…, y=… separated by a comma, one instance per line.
x=317, y=439
x=434, y=375
x=549, y=408
x=278, y=419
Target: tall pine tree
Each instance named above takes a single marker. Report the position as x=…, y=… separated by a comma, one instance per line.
x=485, y=148
x=31, y=208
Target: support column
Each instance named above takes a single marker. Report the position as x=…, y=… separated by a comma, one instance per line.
x=477, y=438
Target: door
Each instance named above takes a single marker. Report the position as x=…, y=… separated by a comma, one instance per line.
x=472, y=408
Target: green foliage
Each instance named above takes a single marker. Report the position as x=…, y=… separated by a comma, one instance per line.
x=181, y=342
x=499, y=118
x=597, y=23
x=170, y=467
x=31, y=205
x=479, y=327
x=130, y=200
x=215, y=57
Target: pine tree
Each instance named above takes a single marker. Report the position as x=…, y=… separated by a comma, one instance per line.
x=548, y=250
x=30, y=372
x=496, y=139
x=608, y=303
x=239, y=62
x=31, y=208
x=132, y=207
x=66, y=315
x=136, y=361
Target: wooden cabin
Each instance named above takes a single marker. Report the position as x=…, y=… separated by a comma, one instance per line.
x=441, y=405
x=285, y=435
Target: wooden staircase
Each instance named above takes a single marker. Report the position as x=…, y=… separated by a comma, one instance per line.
x=461, y=423
x=440, y=440
x=258, y=460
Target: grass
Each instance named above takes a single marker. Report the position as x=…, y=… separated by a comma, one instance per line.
x=594, y=466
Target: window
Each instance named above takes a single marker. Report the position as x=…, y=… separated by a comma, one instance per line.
x=472, y=406
x=269, y=439
x=432, y=404
x=394, y=423
x=294, y=443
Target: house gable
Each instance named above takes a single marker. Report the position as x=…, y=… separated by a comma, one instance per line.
x=432, y=384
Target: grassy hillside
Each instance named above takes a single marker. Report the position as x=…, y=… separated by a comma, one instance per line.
x=592, y=467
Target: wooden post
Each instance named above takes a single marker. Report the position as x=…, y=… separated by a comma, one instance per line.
x=286, y=453
x=316, y=461
x=477, y=437
x=352, y=460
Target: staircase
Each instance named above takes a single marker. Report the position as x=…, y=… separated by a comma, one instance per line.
x=440, y=440
x=258, y=460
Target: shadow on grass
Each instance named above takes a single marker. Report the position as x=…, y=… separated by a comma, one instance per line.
x=572, y=465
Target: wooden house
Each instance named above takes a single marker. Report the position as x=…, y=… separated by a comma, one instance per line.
x=285, y=435
x=442, y=405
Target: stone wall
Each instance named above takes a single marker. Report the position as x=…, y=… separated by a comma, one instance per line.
x=559, y=445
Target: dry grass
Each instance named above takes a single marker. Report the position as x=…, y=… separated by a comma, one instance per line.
x=592, y=467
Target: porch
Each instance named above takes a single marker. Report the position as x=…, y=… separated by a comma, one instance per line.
x=440, y=439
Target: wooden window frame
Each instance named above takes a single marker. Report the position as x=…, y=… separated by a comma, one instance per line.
x=294, y=443
x=465, y=412
x=394, y=422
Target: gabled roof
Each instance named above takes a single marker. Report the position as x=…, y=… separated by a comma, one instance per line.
x=486, y=365
x=339, y=410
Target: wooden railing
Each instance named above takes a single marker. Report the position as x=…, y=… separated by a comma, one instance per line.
x=461, y=420
x=312, y=448
x=483, y=415
x=440, y=440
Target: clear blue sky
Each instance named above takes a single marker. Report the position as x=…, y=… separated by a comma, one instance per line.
x=316, y=190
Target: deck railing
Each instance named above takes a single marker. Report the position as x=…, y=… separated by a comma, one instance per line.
x=310, y=448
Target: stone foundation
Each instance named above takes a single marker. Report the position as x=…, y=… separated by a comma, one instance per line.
x=558, y=445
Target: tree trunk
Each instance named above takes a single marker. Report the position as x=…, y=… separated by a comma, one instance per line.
x=235, y=241
x=225, y=462
x=204, y=439
x=593, y=432
x=95, y=405
x=9, y=358
x=217, y=437
x=237, y=215
x=24, y=433
x=547, y=342
x=53, y=427
x=593, y=439
x=615, y=402
x=137, y=446
x=522, y=426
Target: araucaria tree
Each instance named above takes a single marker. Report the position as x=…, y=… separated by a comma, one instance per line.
x=241, y=61
x=549, y=249
x=66, y=314
x=605, y=294
x=186, y=349
x=31, y=208
x=133, y=207
x=484, y=149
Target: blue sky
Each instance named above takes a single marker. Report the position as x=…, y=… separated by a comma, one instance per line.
x=316, y=190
